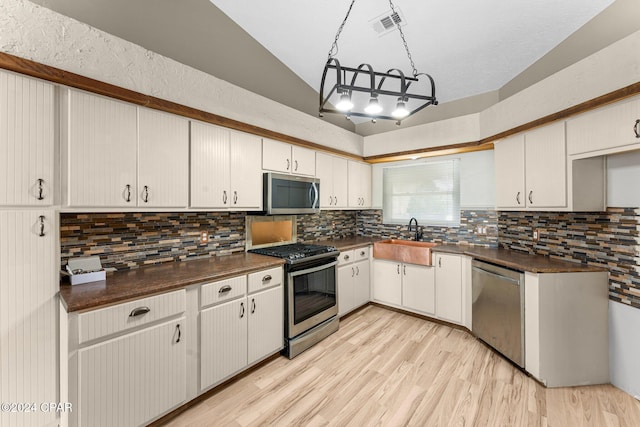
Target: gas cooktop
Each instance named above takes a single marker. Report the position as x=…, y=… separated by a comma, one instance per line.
x=297, y=252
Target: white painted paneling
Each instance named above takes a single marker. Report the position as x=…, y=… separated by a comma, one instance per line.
x=163, y=159
x=546, y=167
x=264, y=279
x=419, y=288
x=246, y=171
x=223, y=341
x=26, y=140
x=132, y=379
x=210, y=174
x=509, y=172
x=303, y=161
x=266, y=324
x=223, y=290
x=623, y=176
x=387, y=282
x=624, y=350
x=102, y=152
x=448, y=287
x=362, y=284
x=276, y=156
x=28, y=326
x=106, y=321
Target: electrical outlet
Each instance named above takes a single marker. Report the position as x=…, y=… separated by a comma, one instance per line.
x=536, y=234
x=204, y=237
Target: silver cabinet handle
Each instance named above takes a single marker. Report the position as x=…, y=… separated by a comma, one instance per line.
x=518, y=197
x=266, y=278
x=235, y=197
x=40, y=189
x=127, y=193
x=145, y=194
x=530, y=196
x=330, y=200
x=636, y=128
x=253, y=305
x=41, y=219
x=139, y=311
x=346, y=257
x=224, y=197
x=224, y=289
x=398, y=268
x=288, y=164
x=404, y=270
x=296, y=167
x=179, y=333
x=241, y=310
x=362, y=253
x=353, y=272
x=357, y=270
x=439, y=262
x=336, y=202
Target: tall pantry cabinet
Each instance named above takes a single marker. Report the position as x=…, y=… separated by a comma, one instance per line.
x=28, y=252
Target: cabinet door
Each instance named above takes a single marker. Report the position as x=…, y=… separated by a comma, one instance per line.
x=605, y=128
x=26, y=141
x=303, y=161
x=266, y=324
x=210, y=166
x=325, y=173
x=365, y=185
x=508, y=157
x=418, y=288
x=101, y=152
x=340, y=180
x=359, y=185
x=449, y=287
x=246, y=174
x=346, y=291
x=387, y=282
x=163, y=159
x=131, y=380
x=28, y=314
x=361, y=284
x=546, y=167
x=223, y=341
x=276, y=156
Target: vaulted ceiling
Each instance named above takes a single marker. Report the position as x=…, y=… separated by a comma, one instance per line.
x=477, y=51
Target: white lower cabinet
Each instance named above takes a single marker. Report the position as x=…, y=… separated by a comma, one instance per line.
x=449, y=304
x=133, y=379
x=353, y=280
x=402, y=285
x=126, y=363
x=243, y=327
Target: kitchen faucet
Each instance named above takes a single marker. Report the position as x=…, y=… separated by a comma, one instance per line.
x=419, y=232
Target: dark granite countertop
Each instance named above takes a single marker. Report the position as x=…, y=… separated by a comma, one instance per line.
x=154, y=279
x=517, y=260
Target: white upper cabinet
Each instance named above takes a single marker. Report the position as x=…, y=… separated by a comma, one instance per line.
x=333, y=175
x=101, y=152
x=533, y=172
x=120, y=155
x=281, y=157
x=607, y=130
x=27, y=137
x=163, y=159
x=359, y=185
x=225, y=168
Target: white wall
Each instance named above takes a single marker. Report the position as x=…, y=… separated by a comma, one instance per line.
x=477, y=180
x=39, y=34
x=623, y=180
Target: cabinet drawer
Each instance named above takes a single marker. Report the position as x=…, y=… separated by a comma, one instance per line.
x=346, y=257
x=106, y=321
x=224, y=290
x=361, y=253
x=265, y=279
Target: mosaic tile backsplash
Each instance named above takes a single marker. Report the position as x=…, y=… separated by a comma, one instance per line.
x=369, y=223
x=608, y=239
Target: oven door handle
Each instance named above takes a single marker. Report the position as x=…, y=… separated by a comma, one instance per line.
x=313, y=269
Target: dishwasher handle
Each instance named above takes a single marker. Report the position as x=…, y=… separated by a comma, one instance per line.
x=498, y=276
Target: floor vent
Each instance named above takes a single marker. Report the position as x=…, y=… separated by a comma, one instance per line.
x=387, y=22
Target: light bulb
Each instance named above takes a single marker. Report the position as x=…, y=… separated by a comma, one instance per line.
x=374, y=106
x=400, y=111
x=345, y=103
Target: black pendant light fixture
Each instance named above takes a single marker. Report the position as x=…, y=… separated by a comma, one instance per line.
x=363, y=92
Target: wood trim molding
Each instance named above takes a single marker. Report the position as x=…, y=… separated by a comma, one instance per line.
x=56, y=75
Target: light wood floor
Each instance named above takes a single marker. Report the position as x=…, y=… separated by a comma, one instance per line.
x=386, y=368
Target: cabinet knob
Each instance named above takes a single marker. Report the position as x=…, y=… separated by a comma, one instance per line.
x=346, y=257
x=636, y=128
x=139, y=311
x=362, y=253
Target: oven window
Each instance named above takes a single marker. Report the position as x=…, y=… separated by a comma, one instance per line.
x=313, y=293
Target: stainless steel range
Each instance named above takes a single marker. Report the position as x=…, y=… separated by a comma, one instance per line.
x=311, y=299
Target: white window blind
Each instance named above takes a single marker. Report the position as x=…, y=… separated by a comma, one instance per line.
x=430, y=192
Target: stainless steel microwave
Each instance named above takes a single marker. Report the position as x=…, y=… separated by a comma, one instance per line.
x=290, y=194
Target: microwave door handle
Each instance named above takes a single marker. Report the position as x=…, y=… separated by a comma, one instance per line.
x=317, y=195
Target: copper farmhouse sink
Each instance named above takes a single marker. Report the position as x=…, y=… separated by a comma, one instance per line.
x=407, y=251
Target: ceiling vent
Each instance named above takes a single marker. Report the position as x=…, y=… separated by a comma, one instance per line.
x=386, y=23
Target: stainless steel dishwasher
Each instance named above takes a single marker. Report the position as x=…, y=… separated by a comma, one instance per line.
x=498, y=309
